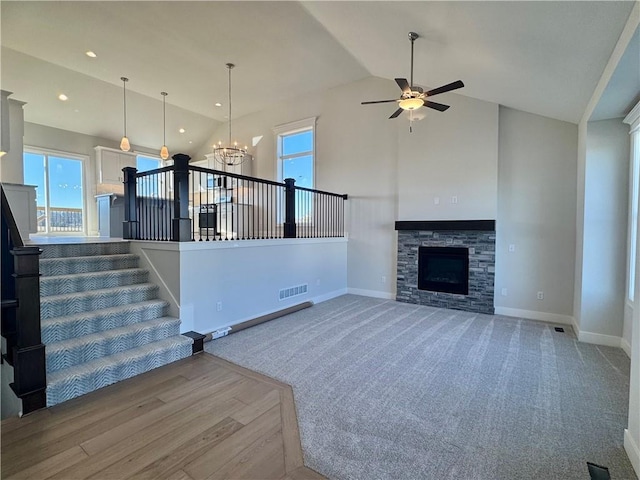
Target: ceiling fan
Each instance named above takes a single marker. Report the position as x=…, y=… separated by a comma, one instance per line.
x=413, y=97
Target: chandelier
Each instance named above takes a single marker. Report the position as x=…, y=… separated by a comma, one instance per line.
x=229, y=154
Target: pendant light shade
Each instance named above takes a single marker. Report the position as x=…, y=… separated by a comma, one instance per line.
x=164, y=151
x=124, y=143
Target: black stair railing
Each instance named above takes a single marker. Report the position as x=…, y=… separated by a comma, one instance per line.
x=183, y=202
x=21, y=314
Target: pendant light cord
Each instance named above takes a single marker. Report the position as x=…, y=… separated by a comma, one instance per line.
x=124, y=101
x=230, y=66
x=164, y=118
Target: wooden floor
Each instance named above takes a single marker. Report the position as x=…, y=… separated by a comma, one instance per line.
x=199, y=418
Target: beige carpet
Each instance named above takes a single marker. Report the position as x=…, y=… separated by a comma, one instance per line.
x=391, y=390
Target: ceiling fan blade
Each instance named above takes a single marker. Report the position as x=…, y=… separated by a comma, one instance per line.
x=404, y=85
x=445, y=88
x=396, y=113
x=436, y=106
x=378, y=101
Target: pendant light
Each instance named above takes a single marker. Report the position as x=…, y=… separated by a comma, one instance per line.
x=164, y=151
x=229, y=154
x=124, y=143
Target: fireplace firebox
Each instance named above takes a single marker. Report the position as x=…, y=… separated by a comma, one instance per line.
x=444, y=269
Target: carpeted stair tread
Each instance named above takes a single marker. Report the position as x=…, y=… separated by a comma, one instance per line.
x=78, y=282
x=72, y=382
x=72, y=303
x=74, y=351
x=57, y=329
x=95, y=263
x=83, y=249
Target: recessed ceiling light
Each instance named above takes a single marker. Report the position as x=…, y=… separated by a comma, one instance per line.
x=182, y=130
x=91, y=54
x=63, y=97
x=190, y=141
x=218, y=104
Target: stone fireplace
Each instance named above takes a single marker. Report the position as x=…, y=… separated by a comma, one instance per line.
x=448, y=264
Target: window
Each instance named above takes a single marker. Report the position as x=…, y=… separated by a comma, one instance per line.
x=295, y=157
x=146, y=163
x=58, y=178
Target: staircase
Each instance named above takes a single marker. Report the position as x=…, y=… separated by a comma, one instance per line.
x=101, y=319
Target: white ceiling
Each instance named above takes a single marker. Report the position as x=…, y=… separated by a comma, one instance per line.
x=540, y=57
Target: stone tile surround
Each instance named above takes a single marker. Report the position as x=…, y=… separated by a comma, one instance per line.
x=482, y=248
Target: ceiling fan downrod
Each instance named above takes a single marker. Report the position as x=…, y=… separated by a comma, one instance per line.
x=412, y=36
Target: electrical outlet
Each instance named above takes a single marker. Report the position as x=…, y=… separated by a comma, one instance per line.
x=383, y=279
x=436, y=200
x=512, y=248
x=318, y=282
x=504, y=292
x=454, y=199
x=540, y=295
x=219, y=306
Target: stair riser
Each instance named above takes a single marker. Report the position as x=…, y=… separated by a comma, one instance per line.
x=116, y=278
x=75, y=386
x=85, y=303
x=68, y=266
x=84, y=249
x=108, y=346
x=93, y=323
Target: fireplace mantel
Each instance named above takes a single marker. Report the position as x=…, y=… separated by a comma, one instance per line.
x=444, y=225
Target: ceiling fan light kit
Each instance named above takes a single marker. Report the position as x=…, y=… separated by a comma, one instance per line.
x=413, y=97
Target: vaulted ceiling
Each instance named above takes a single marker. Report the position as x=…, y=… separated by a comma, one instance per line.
x=540, y=57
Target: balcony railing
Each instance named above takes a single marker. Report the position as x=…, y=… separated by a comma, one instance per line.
x=59, y=219
x=187, y=203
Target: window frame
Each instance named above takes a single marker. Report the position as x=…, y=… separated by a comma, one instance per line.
x=84, y=159
x=292, y=128
x=633, y=119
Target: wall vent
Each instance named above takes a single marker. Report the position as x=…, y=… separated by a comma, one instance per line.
x=293, y=291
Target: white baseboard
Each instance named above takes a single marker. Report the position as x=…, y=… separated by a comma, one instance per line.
x=626, y=346
x=372, y=293
x=329, y=296
x=533, y=315
x=599, y=339
x=633, y=451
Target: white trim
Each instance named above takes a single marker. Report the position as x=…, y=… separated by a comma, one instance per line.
x=626, y=346
x=533, y=315
x=329, y=296
x=633, y=118
x=297, y=126
x=632, y=450
x=600, y=339
x=372, y=293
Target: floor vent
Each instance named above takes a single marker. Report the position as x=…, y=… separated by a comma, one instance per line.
x=559, y=329
x=293, y=291
x=598, y=472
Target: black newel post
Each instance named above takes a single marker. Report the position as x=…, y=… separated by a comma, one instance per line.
x=130, y=224
x=181, y=231
x=289, y=208
x=29, y=369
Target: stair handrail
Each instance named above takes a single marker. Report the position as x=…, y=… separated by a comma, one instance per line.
x=21, y=313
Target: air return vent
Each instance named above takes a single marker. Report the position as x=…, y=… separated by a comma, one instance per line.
x=293, y=291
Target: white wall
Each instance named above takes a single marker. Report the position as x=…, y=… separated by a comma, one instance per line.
x=605, y=228
x=453, y=153
x=536, y=208
x=11, y=163
x=245, y=277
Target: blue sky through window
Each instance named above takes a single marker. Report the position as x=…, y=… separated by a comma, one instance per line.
x=65, y=179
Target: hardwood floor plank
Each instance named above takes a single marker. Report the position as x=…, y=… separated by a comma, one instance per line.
x=303, y=473
x=199, y=400
x=89, y=408
x=165, y=467
x=50, y=466
x=198, y=414
x=290, y=432
x=263, y=459
x=189, y=420
x=266, y=424
x=54, y=441
x=256, y=408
